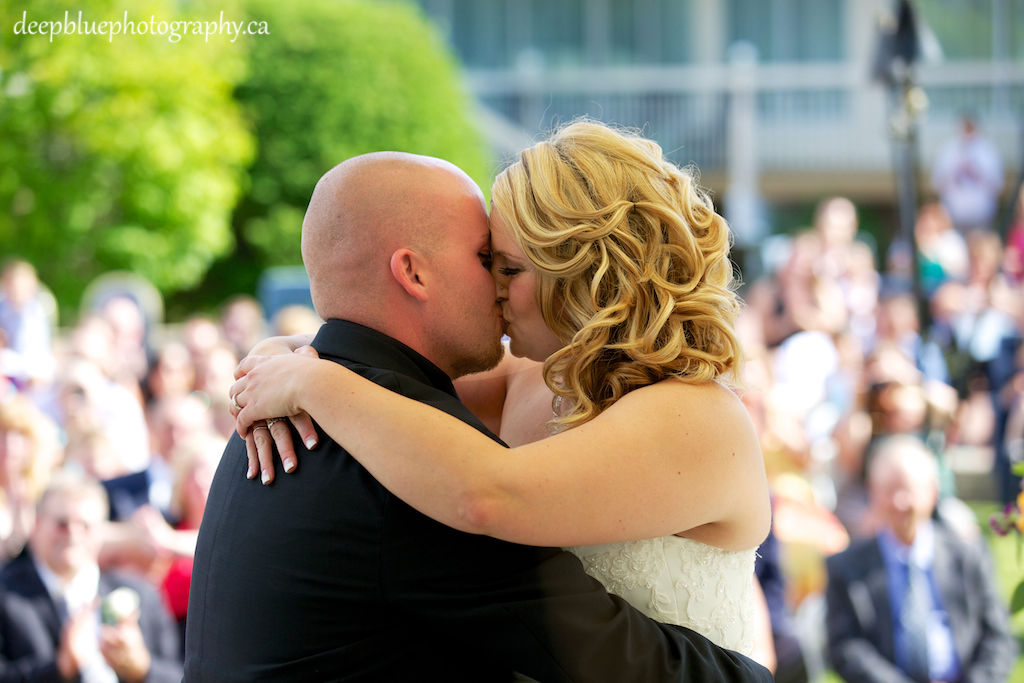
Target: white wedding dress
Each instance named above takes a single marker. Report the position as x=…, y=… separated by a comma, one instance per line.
x=681, y=581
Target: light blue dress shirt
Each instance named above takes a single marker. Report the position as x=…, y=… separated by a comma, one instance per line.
x=942, y=659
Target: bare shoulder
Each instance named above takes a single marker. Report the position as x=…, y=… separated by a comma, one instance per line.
x=707, y=421
x=674, y=399
x=706, y=432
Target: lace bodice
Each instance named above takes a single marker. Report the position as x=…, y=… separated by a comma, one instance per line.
x=680, y=581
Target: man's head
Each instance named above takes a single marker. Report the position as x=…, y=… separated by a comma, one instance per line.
x=399, y=243
x=175, y=419
x=835, y=219
x=903, y=485
x=18, y=282
x=68, y=532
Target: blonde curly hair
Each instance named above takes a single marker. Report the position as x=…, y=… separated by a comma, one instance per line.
x=632, y=265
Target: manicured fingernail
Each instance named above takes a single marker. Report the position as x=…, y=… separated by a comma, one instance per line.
x=311, y=443
x=266, y=477
x=289, y=466
x=250, y=472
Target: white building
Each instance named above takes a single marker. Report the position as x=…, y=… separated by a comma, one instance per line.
x=769, y=98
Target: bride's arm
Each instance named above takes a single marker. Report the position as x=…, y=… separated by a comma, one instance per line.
x=273, y=346
x=664, y=459
x=482, y=393
x=260, y=443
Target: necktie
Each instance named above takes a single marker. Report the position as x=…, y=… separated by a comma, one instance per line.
x=914, y=615
x=62, y=609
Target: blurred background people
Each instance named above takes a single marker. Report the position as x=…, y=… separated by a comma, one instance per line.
x=968, y=176
x=242, y=323
x=28, y=453
x=26, y=324
x=50, y=626
x=915, y=602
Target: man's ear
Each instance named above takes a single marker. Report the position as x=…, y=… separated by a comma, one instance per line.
x=409, y=270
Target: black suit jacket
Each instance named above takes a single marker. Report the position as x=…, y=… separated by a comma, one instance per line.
x=30, y=628
x=860, y=627
x=326, y=576
x=127, y=494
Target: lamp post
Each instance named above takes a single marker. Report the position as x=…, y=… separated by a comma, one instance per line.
x=899, y=47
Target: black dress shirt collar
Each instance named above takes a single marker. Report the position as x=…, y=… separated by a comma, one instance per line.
x=355, y=342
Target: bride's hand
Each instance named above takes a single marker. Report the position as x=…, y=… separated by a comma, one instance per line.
x=276, y=346
x=267, y=389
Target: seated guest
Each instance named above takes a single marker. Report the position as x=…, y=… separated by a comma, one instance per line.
x=50, y=626
x=914, y=603
x=194, y=463
x=173, y=420
x=28, y=452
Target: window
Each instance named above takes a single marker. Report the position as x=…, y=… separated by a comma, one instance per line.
x=478, y=32
x=650, y=31
x=789, y=30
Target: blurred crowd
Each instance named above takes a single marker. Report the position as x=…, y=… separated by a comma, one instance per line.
x=123, y=400
x=847, y=349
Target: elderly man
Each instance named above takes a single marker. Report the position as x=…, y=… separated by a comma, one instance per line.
x=50, y=626
x=914, y=603
x=326, y=575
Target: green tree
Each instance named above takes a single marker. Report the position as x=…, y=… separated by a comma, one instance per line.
x=334, y=79
x=118, y=152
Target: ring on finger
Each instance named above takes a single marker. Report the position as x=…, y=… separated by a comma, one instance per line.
x=234, y=403
x=259, y=427
x=273, y=420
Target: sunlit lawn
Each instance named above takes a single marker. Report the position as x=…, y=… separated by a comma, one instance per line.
x=1009, y=572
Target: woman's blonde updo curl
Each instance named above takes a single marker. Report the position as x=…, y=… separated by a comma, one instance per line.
x=632, y=265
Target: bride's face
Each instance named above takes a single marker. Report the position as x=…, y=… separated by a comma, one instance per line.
x=516, y=283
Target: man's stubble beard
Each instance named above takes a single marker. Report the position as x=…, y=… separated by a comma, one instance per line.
x=487, y=359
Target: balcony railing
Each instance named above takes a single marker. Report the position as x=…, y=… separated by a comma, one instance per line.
x=809, y=118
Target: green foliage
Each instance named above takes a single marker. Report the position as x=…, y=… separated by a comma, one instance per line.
x=122, y=153
x=334, y=79
x=1017, y=600
x=132, y=153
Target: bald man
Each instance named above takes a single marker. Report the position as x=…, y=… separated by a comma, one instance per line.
x=326, y=576
x=914, y=603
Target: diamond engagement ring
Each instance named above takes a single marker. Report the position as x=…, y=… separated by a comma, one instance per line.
x=271, y=421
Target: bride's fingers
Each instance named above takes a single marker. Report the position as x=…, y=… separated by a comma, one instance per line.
x=250, y=452
x=245, y=365
x=242, y=422
x=307, y=351
x=307, y=432
x=235, y=392
x=264, y=452
x=283, y=439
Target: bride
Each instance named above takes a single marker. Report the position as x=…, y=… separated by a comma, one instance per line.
x=613, y=274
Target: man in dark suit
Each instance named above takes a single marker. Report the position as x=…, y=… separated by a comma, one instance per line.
x=173, y=420
x=914, y=603
x=327, y=576
x=49, y=621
